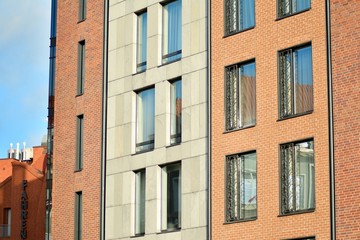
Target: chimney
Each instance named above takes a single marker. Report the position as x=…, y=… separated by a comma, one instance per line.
x=11, y=152
x=24, y=152
x=17, y=151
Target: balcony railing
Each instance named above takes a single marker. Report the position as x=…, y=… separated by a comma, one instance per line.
x=4, y=230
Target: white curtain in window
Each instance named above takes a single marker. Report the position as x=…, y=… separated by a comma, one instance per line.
x=173, y=22
x=146, y=115
x=142, y=36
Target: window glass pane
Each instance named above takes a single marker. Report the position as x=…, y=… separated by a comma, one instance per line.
x=82, y=9
x=299, y=5
x=141, y=41
x=171, y=201
x=140, y=202
x=176, y=110
x=241, y=187
x=81, y=67
x=79, y=142
x=78, y=216
x=303, y=80
x=246, y=14
x=247, y=89
x=145, y=119
x=172, y=23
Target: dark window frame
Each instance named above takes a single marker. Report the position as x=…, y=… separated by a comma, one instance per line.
x=227, y=96
x=82, y=10
x=282, y=197
x=228, y=189
x=78, y=216
x=79, y=142
x=282, y=115
x=81, y=67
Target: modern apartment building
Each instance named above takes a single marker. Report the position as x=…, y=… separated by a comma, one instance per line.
x=284, y=119
x=157, y=121
x=77, y=137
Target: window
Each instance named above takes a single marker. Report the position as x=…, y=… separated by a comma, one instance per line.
x=81, y=67
x=7, y=223
x=240, y=96
x=79, y=142
x=306, y=238
x=175, y=110
x=171, y=197
x=295, y=80
x=82, y=10
x=241, y=187
x=140, y=202
x=78, y=215
x=239, y=15
x=297, y=177
x=141, y=42
x=172, y=31
x=145, y=120
x=289, y=7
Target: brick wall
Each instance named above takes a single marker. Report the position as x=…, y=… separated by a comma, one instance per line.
x=263, y=43
x=67, y=106
x=345, y=37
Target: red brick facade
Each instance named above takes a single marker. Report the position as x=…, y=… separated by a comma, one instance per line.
x=262, y=43
x=13, y=174
x=67, y=181
x=345, y=39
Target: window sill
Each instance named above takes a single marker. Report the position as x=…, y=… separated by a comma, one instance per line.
x=295, y=115
x=79, y=95
x=173, y=145
x=143, y=151
x=139, y=72
x=164, y=64
x=82, y=20
x=237, y=32
x=240, y=221
x=78, y=170
x=297, y=212
x=238, y=129
x=292, y=14
x=138, y=235
x=169, y=231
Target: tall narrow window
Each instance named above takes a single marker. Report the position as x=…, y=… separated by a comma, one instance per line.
x=140, y=181
x=78, y=216
x=79, y=142
x=82, y=10
x=289, y=7
x=172, y=28
x=171, y=197
x=239, y=15
x=297, y=177
x=240, y=96
x=175, y=109
x=241, y=187
x=295, y=80
x=7, y=222
x=145, y=120
x=81, y=67
x=141, y=42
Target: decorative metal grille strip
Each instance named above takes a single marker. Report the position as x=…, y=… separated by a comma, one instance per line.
x=286, y=84
x=231, y=98
x=231, y=16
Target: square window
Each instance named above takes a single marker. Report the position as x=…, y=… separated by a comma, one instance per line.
x=239, y=15
x=289, y=7
x=140, y=187
x=141, y=42
x=172, y=28
x=175, y=111
x=79, y=142
x=295, y=81
x=241, y=187
x=240, y=96
x=81, y=67
x=82, y=10
x=171, y=197
x=297, y=176
x=145, y=120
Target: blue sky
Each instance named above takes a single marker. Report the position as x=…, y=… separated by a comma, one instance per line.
x=24, y=71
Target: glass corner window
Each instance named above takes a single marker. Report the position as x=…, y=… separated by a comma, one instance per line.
x=172, y=28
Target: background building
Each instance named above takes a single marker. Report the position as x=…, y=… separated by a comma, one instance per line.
x=77, y=120
x=157, y=121
x=22, y=195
